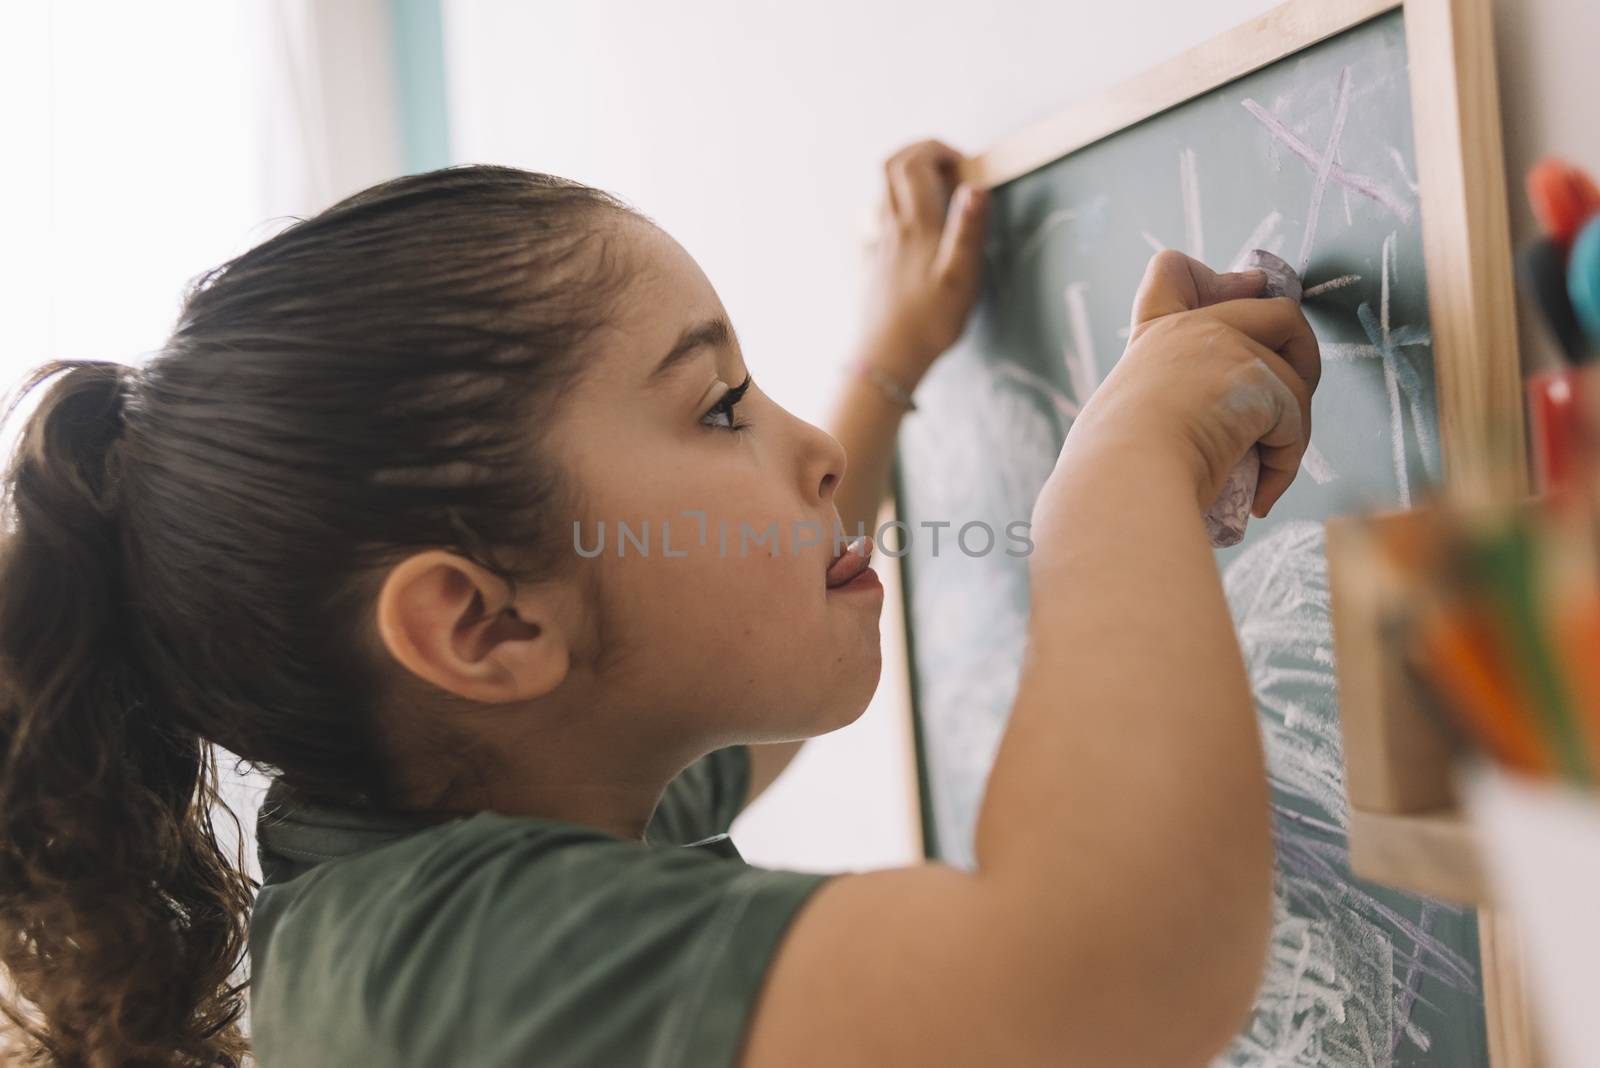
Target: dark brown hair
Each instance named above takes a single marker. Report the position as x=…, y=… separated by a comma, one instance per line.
x=190, y=557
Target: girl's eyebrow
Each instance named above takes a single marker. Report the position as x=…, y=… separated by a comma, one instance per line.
x=716, y=332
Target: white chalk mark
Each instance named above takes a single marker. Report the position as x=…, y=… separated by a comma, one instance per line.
x=1278, y=593
x=1257, y=236
x=1334, y=351
x=1189, y=180
x=1054, y=219
x=1360, y=183
x=1082, y=369
x=1327, y=994
x=1422, y=424
x=1332, y=284
x=1316, y=465
x=1392, y=384
x=1153, y=241
x=1397, y=432
x=1405, y=173
x=1383, y=290
x=1325, y=167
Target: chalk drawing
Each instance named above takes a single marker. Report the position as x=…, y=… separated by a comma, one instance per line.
x=1342, y=978
x=1360, y=183
x=1325, y=167
x=1391, y=382
x=1344, y=193
x=989, y=464
x=1257, y=239
x=1057, y=218
x=1405, y=173
x=1331, y=284
x=1357, y=974
x=1404, y=383
x=1193, y=226
x=1063, y=404
x=1316, y=465
x=1082, y=370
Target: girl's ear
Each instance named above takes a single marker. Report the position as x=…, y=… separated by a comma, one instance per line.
x=451, y=622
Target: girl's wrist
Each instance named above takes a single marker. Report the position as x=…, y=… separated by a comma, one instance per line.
x=884, y=382
x=901, y=357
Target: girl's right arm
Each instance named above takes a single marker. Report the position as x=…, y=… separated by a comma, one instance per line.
x=1121, y=908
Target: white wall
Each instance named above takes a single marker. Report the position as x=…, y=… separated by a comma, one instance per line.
x=1548, y=80
x=149, y=143
x=754, y=133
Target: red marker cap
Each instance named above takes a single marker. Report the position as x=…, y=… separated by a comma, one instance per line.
x=1564, y=197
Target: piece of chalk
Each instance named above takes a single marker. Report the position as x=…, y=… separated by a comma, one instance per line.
x=1229, y=514
x=1282, y=281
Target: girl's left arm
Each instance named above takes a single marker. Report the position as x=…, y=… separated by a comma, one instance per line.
x=923, y=283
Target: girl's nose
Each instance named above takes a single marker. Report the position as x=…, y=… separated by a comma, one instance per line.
x=823, y=462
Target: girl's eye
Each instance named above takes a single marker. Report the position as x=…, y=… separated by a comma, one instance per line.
x=724, y=408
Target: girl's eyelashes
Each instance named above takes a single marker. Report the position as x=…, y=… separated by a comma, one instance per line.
x=725, y=408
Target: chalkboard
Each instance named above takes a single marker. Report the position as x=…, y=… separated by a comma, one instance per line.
x=1311, y=157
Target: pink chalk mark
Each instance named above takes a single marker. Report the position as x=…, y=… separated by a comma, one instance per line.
x=1062, y=403
x=1360, y=183
x=1325, y=167
x=1257, y=239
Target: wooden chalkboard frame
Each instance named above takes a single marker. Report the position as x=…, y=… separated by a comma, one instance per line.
x=1471, y=298
x=1466, y=229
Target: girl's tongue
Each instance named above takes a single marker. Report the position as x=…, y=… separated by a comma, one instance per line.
x=857, y=554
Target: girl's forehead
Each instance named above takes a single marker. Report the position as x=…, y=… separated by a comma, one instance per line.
x=668, y=296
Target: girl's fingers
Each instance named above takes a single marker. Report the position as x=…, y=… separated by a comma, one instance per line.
x=1235, y=285
x=1280, y=325
x=922, y=187
x=921, y=175
x=1283, y=445
x=1176, y=283
x=961, y=244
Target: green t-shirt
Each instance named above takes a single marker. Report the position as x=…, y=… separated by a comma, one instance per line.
x=495, y=940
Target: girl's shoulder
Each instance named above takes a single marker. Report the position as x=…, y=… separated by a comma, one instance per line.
x=494, y=939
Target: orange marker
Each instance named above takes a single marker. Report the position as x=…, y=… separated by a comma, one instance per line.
x=1578, y=644
x=1564, y=197
x=1464, y=663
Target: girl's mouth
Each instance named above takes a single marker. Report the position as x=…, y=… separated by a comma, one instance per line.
x=853, y=560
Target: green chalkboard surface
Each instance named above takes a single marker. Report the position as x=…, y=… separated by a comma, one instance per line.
x=1311, y=158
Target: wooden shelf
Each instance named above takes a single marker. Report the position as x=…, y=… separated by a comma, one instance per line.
x=1406, y=826
x=1433, y=853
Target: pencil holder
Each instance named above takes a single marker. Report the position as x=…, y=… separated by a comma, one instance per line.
x=1555, y=418
x=1541, y=853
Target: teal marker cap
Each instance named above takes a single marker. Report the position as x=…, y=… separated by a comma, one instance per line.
x=1583, y=280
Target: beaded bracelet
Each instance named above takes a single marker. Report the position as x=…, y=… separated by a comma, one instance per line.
x=890, y=388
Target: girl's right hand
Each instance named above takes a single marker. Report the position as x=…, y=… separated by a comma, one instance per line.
x=1211, y=369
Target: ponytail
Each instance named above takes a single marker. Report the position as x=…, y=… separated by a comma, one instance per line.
x=121, y=919
x=191, y=553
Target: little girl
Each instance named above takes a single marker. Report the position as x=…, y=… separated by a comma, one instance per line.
x=452, y=508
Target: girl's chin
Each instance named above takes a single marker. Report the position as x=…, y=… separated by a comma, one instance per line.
x=850, y=708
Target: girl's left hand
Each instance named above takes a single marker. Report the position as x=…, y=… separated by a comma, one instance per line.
x=928, y=260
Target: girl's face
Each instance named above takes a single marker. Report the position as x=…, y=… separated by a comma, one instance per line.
x=725, y=628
